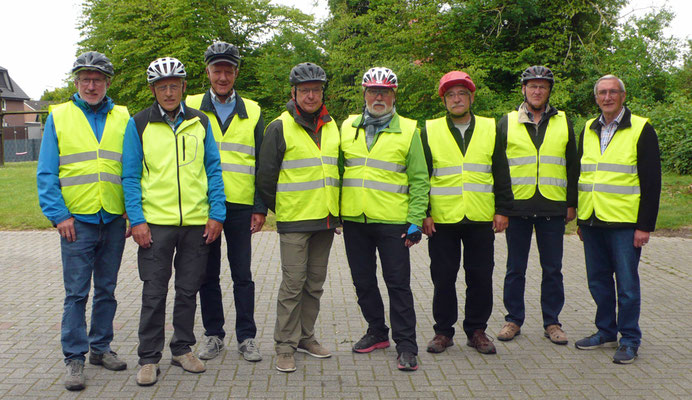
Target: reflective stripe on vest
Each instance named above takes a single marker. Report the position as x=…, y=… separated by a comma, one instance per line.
x=308, y=185
x=609, y=182
x=174, y=182
x=375, y=182
x=461, y=185
x=549, y=174
x=237, y=150
x=90, y=170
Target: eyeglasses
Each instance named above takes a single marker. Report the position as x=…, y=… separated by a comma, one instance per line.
x=384, y=92
x=165, y=88
x=306, y=91
x=611, y=92
x=537, y=87
x=451, y=95
x=89, y=81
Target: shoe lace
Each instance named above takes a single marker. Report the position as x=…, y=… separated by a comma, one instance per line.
x=75, y=368
x=251, y=345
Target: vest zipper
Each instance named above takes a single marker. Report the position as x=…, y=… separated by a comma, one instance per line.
x=177, y=173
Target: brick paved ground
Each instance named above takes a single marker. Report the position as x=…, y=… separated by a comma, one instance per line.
x=31, y=366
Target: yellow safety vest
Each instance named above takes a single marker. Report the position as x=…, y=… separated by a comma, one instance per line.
x=609, y=182
x=461, y=186
x=237, y=149
x=174, y=179
x=551, y=170
x=308, y=184
x=375, y=182
x=90, y=170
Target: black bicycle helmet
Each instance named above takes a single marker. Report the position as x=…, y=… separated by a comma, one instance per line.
x=307, y=72
x=95, y=61
x=222, y=51
x=537, y=72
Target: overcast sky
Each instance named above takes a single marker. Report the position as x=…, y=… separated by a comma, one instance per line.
x=40, y=36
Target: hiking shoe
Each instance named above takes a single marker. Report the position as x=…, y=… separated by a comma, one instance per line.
x=555, y=334
x=249, y=349
x=481, y=342
x=109, y=361
x=370, y=342
x=439, y=343
x=285, y=362
x=75, y=378
x=314, y=349
x=189, y=362
x=625, y=354
x=147, y=374
x=594, y=341
x=407, y=361
x=509, y=331
x=211, y=347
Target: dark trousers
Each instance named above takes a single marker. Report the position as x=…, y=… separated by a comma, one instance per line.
x=236, y=228
x=361, y=242
x=187, y=243
x=445, y=258
x=550, y=232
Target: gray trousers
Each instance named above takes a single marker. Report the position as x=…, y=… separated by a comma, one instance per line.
x=304, y=257
x=190, y=262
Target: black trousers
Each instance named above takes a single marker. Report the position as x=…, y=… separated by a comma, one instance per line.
x=155, y=270
x=445, y=258
x=361, y=242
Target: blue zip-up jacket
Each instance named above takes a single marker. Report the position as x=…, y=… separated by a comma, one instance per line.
x=49, y=193
x=132, y=172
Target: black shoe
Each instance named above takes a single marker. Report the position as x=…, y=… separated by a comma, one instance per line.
x=407, y=361
x=625, y=354
x=370, y=342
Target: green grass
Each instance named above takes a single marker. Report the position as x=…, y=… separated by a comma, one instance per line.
x=19, y=209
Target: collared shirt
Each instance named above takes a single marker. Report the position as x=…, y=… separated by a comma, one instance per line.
x=608, y=130
x=215, y=99
x=223, y=109
x=172, y=122
x=529, y=114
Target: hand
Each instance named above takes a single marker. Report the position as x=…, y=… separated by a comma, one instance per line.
x=212, y=230
x=257, y=222
x=413, y=235
x=128, y=230
x=142, y=235
x=66, y=229
x=337, y=231
x=641, y=238
x=571, y=214
x=500, y=223
x=579, y=234
x=429, y=226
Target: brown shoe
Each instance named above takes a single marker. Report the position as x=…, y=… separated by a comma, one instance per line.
x=555, y=334
x=147, y=374
x=189, y=362
x=509, y=331
x=314, y=349
x=481, y=342
x=285, y=362
x=439, y=343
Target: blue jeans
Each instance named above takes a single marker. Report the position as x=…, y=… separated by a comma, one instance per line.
x=97, y=251
x=550, y=232
x=607, y=252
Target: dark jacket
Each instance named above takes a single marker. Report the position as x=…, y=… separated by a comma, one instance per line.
x=272, y=155
x=648, y=169
x=539, y=206
x=502, y=186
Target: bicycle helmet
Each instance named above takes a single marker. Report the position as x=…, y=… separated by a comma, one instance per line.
x=307, y=72
x=166, y=67
x=380, y=77
x=455, y=78
x=222, y=51
x=537, y=72
x=95, y=61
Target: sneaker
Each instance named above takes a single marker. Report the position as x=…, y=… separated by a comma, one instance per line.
x=189, y=362
x=249, y=349
x=509, y=331
x=370, y=342
x=285, y=362
x=594, y=341
x=75, y=378
x=481, y=342
x=314, y=349
x=147, y=374
x=439, y=343
x=211, y=347
x=109, y=361
x=407, y=361
x=625, y=354
x=555, y=334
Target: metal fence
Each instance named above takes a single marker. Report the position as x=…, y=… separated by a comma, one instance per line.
x=20, y=144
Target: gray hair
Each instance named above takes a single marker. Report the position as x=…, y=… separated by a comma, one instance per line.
x=609, y=76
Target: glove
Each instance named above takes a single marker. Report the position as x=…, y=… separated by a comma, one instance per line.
x=414, y=233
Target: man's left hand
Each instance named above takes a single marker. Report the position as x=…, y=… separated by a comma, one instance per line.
x=128, y=230
x=500, y=223
x=212, y=230
x=257, y=222
x=571, y=214
x=640, y=238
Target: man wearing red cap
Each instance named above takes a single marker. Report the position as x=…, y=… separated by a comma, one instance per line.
x=469, y=189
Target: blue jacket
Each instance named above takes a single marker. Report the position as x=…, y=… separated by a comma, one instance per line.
x=132, y=173
x=49, y=192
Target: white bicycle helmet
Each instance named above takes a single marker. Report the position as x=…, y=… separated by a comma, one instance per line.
x=166, y=67
x=380, y=77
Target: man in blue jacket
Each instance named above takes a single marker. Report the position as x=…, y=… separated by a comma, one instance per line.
x=79, y=191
